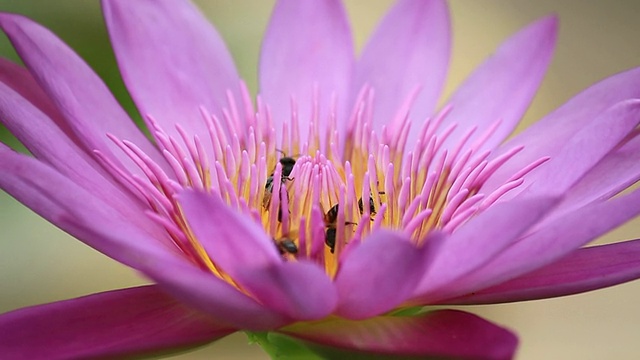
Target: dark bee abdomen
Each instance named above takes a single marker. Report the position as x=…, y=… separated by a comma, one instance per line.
x=330, y=239
x=332, y=215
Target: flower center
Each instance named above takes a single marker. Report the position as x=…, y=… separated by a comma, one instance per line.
x=317, y=197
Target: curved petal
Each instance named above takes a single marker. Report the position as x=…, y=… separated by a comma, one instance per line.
x=71, y=208
x=127, y=322
x=502, y=88
x=243, y=250
x=210, y=294
x=393, y=267
x=90, y=109
x=584, y=150
x=20, y=80
x=586, y=269
x=172, y=60
x=614, y=173
x=307, y=44
x=437, y=334
x=301, y=290
x=78, y=212
x=409, y=50
x=551, y=242
x=478, y=242
x=232, y=241
x=547, y=136
x=51, y=145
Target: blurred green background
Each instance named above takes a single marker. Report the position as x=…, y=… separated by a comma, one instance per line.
x=39, y=263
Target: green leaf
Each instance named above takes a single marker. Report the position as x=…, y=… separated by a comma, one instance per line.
x=283, y=347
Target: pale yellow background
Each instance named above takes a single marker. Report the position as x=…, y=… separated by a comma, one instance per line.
x=38, y=263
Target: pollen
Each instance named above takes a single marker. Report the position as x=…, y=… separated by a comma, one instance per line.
x=319, y=193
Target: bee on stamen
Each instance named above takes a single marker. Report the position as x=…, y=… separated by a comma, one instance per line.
x=287, y=166
x=372, y=206
x=330, y=221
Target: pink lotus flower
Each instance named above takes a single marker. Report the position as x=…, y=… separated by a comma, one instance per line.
x=233, y=212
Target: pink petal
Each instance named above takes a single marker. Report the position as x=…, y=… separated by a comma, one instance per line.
x=176, y=274
x=410, y=48
x=584, y=150
x=52, y=146
x=478, y=242
x=102, y=227
x=583, y=270
x=233, y=241
x=172, y=60
x=549, y=135
x=300, y=290
x=307, y=44
x=437, y=334
x=210, y=294
x=135, y=321
x=502, y=88
x=614, y=173
x=22, y=82
x=90, y=109
x=551, y=242
x=242, y=249
x=78, y=212
x=393, y=267
x=172, y=271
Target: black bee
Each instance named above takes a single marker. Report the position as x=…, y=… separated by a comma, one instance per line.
x=372, y=206
x=286, y=246
x=330, y=238
x=287, y=166
x=330, y=221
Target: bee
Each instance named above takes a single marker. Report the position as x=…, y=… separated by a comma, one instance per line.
x=287, y=166
x=372, y=206
x=330, y=238
x=286, y=246
x=330, y=221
